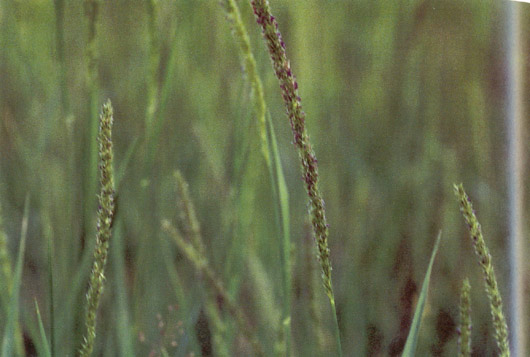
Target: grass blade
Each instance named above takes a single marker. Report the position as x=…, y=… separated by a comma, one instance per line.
x=412, y=339
x=124, y=164
x=5, y=268
x=44, y=340
x=52, y=300
x=123, y=322
x=281, y=196
x=12, y=313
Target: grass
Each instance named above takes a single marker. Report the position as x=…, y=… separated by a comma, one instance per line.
x=413, y=337
x=289, y=87
x=464, y=340
x=485, y=262
x=400, y=100
x=106, y=211
x=12, y=338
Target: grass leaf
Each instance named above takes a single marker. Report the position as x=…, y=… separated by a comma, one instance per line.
x=123, y=322
x=52, y=303
x=12, y=313
x=44, y=340
x=412, y=339
x=281, y=209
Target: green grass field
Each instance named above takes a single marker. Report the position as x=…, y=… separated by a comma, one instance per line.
x=212, y=249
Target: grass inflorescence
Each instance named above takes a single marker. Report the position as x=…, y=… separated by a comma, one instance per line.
x=484, y=260
x=293, y=104
x=464, y=331
x=103, y=228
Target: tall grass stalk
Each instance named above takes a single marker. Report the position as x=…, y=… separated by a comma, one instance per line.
x=464, y=330
x=515, y=171
x=104, y=224
x=289, y=88
x=484, y=260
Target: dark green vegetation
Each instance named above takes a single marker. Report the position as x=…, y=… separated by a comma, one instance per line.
x=402, y=99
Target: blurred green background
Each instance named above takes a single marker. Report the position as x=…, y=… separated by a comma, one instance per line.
x=403, y=99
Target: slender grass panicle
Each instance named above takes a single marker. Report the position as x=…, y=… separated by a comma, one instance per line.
x=296, y=116
x=293, y=104
x=484, y=259
x=464, y=330
x=104, y=224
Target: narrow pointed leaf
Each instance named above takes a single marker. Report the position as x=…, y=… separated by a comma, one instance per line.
x=412, y=339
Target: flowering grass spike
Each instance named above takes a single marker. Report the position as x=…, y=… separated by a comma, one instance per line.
x=293, y=104
x=464, y=338
x=103, y=228
x=484, y=259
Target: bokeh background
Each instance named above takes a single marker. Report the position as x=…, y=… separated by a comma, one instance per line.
x=403, y=99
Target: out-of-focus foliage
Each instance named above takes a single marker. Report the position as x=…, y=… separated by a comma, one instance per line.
x=403, y=98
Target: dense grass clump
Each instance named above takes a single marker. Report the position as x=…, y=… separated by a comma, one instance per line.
x=190, y=226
